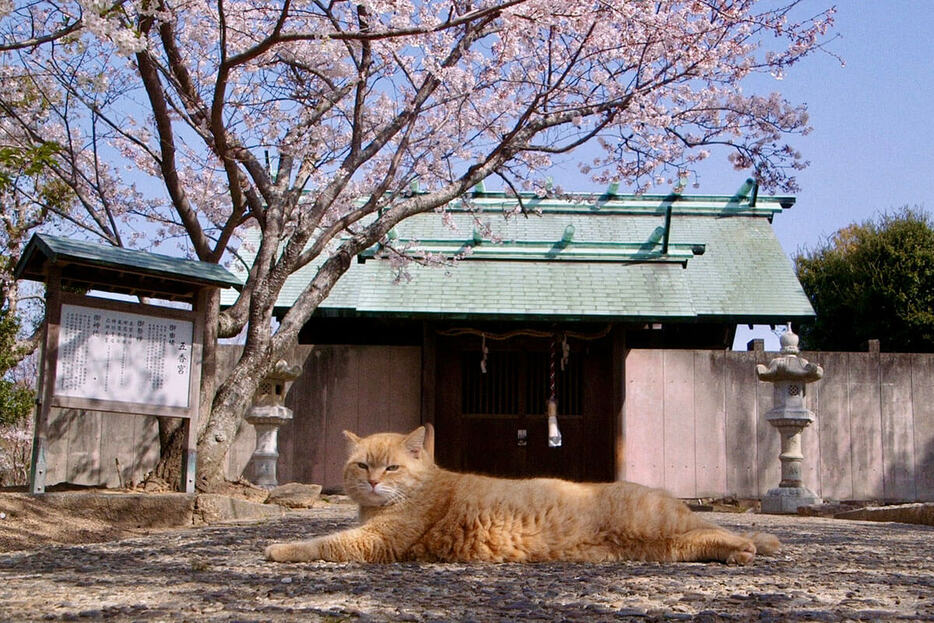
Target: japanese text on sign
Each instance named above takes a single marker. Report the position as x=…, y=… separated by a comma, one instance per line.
x=125, y=357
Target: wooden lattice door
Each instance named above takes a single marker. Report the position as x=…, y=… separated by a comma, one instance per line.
x=497, y=418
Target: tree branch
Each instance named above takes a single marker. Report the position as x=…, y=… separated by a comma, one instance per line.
x=150, y=78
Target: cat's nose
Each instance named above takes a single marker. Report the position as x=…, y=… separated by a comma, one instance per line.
x=373, y=483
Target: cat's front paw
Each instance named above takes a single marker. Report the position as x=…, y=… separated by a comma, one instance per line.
x=297, y=551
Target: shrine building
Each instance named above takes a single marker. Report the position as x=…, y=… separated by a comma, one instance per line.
x=543, y=304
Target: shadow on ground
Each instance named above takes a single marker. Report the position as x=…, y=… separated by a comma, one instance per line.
x=829, y=570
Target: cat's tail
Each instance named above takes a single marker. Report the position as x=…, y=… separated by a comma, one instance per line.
x=766, y=544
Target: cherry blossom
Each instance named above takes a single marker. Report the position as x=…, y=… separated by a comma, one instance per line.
x=311, y=119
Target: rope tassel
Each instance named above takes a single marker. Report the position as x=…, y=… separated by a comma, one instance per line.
x=554, y=434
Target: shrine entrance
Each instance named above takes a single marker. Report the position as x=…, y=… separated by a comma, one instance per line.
x=491, y=409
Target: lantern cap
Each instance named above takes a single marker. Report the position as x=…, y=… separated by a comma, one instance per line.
x=789, y=367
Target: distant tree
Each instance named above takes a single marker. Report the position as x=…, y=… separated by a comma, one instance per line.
x=15, y=397
x=32, y=194
x=27, y=192
x=873, y=280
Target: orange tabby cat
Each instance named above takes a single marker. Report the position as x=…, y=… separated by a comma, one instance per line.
x=411, y=509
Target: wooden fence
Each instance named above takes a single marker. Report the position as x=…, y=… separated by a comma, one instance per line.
x=100, y=448
x=694, y=424
x=364, y=389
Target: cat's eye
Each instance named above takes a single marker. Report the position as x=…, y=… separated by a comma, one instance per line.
x=363, y=466
x=391, y=468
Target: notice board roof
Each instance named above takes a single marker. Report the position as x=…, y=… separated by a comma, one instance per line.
x=114, y=269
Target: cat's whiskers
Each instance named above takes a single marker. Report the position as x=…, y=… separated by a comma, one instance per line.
x=393, y=496
x=385, y=493
x=388, y=493
x=361, y=488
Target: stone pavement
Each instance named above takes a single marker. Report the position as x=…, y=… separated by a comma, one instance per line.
x=829, y=570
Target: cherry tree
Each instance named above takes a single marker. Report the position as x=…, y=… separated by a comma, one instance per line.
x=312, y=119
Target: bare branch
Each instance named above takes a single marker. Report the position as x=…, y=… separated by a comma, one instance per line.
x=37, y=41
x=150, y=78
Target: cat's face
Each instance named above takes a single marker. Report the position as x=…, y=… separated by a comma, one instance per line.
x=382, y=469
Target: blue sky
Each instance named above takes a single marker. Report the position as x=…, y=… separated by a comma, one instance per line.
x=872, y=148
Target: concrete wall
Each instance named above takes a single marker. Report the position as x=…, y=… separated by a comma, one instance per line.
x=693, y=423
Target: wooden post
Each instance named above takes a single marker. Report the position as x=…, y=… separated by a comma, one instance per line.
x=40, y=440
x=618, y=376
x=429, y=370
x=190, y=457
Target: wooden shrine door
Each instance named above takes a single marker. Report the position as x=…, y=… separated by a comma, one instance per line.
x=495, y=422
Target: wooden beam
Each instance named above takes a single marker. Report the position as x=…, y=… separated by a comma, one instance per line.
x=40, y=440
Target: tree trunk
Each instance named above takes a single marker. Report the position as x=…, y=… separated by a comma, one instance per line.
x=171, y=431
x=171, y=447
x=234, y=396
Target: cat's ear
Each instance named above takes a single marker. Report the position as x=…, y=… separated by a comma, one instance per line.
x=351, y=437
x=415, y=442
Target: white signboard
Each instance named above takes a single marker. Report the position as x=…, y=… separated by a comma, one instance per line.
x=111, y=355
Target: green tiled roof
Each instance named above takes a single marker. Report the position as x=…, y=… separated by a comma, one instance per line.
x=600, y=259
x=105, y=267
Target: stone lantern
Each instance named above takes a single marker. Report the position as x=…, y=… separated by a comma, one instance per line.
x=266, y=415
x=790, y=375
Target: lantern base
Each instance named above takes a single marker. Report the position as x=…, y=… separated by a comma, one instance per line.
x=786, y=500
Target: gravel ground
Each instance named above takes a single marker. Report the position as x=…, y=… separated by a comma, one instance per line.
x=829, y=570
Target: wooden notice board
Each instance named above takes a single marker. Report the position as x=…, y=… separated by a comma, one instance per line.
x=124, y=356
x=107, y=355
x=101, y=354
